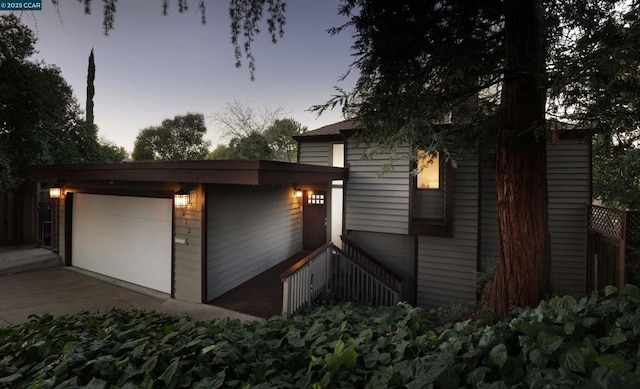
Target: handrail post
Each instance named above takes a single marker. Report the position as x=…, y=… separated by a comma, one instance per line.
x=285, y=298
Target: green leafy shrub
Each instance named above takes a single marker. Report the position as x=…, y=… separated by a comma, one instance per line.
x=590, y=343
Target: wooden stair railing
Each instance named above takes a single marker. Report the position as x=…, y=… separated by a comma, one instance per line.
x=370, y=263
x=306, y=280
x=351, y=281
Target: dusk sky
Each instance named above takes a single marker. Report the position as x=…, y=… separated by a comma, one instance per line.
x=153, y=67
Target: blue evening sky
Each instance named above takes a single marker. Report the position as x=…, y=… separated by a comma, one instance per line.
x=153, y=67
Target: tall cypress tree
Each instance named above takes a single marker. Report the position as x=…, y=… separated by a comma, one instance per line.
x=91, y=75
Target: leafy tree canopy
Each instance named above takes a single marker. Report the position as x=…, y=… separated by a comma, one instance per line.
x=110, y=152
x=179, y=138
x=40, y=120
x=280, y=138
x=252, y=146
x=616, y=172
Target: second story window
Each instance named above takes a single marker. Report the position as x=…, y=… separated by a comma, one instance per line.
x=428, y=167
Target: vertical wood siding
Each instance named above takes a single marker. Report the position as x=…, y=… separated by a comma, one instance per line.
x=315, y=153
x=249, y=230
x=376, y=203
x=18, y=216
x=568, y=177
x=187, y=225
x=396, y=252
x=447, y=266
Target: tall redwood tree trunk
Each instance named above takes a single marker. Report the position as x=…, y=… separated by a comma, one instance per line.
x=521, y=181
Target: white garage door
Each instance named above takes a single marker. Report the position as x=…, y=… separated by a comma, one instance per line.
x=128, y=238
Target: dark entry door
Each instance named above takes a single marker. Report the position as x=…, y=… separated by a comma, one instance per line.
x=314, y=214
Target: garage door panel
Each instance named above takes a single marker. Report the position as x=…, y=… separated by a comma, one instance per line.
x=127, y=238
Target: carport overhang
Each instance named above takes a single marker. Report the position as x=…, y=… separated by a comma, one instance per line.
x=238, y=172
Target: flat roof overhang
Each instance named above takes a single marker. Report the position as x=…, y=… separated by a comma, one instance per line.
x=240, y=172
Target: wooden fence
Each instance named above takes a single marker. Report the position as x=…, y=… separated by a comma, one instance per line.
x=18, y=217
x=610, y=234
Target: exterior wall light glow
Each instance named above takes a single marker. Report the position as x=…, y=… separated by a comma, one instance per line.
x=297, y=192
x=54, y=192
x=181, y=199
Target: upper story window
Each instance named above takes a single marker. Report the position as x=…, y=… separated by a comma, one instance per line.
x=431, y=205
x=428, y=166
x=337, y=159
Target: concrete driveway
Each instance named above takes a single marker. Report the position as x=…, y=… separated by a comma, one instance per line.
x=63, y=290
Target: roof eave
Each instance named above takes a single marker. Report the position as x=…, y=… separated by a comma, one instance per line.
x=206, y=172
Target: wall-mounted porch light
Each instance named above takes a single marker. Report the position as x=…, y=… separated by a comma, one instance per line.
x=181, y=199
x=297, y=192
x=54, y=192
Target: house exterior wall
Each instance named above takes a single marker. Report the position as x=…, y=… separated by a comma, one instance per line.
x=374, y=202
x=568, y=179
x=187, y=248
x=249, y=230
x=397, y=252
x=324, y=153
x=446, y=267
x=315, y=153
x=428, y=203
x=489, y=213
x=569, y=188
x=377, y=215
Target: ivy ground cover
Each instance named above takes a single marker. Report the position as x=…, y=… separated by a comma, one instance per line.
x=562, y=343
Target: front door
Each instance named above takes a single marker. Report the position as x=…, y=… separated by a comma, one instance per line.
x=314, y=214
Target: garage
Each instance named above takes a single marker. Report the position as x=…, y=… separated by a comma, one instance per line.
x=124, y=237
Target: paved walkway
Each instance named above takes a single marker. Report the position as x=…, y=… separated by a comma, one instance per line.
x=63, y=290
x=14, y=259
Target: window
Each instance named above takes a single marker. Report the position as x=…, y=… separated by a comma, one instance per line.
x=315, y=199
x=428, y=166
x=431, y=205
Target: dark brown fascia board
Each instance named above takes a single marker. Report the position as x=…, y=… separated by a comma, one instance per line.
x=318, y=138
x=254, y=172
x=575, y=133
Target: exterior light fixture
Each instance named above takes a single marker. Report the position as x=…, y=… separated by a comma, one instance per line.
x=298, y=193
x=54, y=192
x=181, y=199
